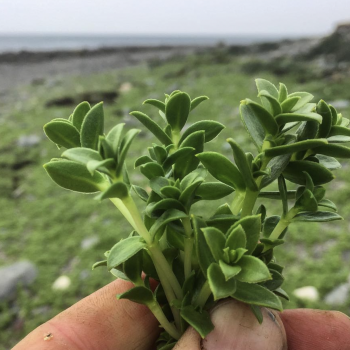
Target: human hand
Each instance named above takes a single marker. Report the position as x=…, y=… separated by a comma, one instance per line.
x=100, y=322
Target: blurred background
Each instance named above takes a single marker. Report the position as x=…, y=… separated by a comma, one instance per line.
x=54, y=55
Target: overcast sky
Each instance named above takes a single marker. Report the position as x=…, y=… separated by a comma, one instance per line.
x=296, y=17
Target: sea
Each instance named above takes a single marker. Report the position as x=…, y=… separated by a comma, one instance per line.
x=17, y=43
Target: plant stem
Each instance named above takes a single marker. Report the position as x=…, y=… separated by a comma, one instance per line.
x=188, y=247
x=165, y=280
x=283, y=223
x=159, y=314
x=249, y=202
x=203, y=295
x=125, y=212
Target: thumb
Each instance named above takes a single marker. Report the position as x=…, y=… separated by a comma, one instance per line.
x=237, y=328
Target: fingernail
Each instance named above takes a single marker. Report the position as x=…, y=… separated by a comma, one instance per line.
x=237, y=328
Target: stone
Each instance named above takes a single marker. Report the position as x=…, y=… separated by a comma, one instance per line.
x=28, y=140
x=340, y=104
x=62, y=283
x=89, y=242
x=20, y=273
x=309, y=293
x=125, y=87
x=339, y=295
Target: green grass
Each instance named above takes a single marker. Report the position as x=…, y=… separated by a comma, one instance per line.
x=46, y=224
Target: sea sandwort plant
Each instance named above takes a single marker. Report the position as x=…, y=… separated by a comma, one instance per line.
x=200, y=260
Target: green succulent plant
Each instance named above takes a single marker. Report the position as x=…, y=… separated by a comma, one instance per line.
x=200, y=260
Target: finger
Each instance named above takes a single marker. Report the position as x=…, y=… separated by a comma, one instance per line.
x=99, y=321
x=237, y=328
x=316, y=329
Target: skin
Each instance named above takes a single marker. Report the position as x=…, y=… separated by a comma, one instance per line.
x=101, y=322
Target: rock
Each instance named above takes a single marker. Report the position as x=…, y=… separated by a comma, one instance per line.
x=338, y=296
x=307, y=293
x=340, y=104
x=125, y=87
x=28, y=140
x=62, y=283
x=22, y=272
x=89, y=242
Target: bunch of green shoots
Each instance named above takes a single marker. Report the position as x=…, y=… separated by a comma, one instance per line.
x=200, y=260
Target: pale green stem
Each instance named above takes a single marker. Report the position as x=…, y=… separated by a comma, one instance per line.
x=157, y=258
x=249, y=202
x=169, y=327
x=283, y=224
x=122, y=208
x=188, y=247
x=203, y=295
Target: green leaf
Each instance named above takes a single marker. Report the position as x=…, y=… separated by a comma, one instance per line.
x=297, y=117
x=160, y=153
x=216, y=241
x=270, y=102
x=204, y=255
x=269, y=224
x=133, y=268
x=117, y=190
x=102, y=165
x=81, y=155
x=328, y=162
x=319, y=216
x=252, y=125
x=218, y=284
x=295, y=147
x=114, y=136
x=319, y=174
x=253, y=270
x=332, y=150
x=288, y=104
x=168, y=216
x=307, y=202
x=196, y=101
x=62, y=133
x=282, y=93
x=323, y=109
x=200, y=321
x=124, y=147
x=140, y=295
x=92, y=127
x=276, y=194
x=222, y=169
x=327, y=204
x=162, y=205
x=236, y=238
x=213, y=190
x=99, y=264
x=153, y=127
x=261, y=115
x=211, y=129
x=305, y=97
x=243, y=165
x=257, y=295
x=263, y=84
x=186, y=197
x=152, y=170
x=228, y=270
x=338, y=139
x=252, y=227
x=142, y=194
x=171, y=192
x=156, y=103
x=284, y=194
x=74, y=176
x=157, y=183
x=257, y=313
x=180, y=153
x=79, y=114
x=339, y=130
x=142, y=160
x=276, y=281
x=177, y=109
x=124, y=250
